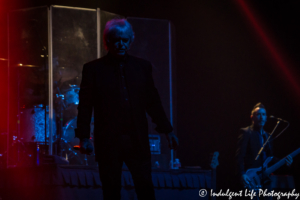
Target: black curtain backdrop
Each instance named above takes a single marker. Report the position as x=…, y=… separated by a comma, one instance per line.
x=223, y=69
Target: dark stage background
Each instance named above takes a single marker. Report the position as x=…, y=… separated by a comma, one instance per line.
x=223, y=68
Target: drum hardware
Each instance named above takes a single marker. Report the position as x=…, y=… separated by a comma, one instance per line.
x=65, y=74
x=77, y=147
x=71, y=95
x=61, y=107
x=62, y=97
x=67, y=150
x=67, y=103
x=72, y=144
x=62, y=74
x=31, y=124
x=31, y=153
x=43, y=108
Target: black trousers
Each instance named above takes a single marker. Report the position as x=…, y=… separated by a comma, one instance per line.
x=110, y=170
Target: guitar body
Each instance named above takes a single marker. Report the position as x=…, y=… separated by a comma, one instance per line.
x=255, y=175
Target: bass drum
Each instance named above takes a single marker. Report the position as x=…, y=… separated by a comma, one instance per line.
x=32, y=124
x=68, y=141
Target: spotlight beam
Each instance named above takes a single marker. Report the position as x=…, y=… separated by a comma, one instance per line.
x=269, y=45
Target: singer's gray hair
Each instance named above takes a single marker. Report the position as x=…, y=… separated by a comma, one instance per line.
x=117, y=25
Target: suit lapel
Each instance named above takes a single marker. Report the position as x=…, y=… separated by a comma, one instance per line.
x=107, y=75
x=130, y=74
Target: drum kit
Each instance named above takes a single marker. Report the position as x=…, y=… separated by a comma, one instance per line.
x=34, y=118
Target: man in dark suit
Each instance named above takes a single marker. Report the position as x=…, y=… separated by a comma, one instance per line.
x=250, y=141
x=120, y=89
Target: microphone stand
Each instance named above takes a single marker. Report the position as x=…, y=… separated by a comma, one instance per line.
x=261, y=149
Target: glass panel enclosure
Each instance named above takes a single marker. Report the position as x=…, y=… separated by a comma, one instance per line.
x=48, y=47
x=28, y=85
x=74, y=43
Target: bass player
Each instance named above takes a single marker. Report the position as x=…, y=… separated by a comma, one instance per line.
x=250, y=141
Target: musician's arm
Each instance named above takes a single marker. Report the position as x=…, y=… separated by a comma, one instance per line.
x=85, y=109
x=154, y=106
x=243, y=140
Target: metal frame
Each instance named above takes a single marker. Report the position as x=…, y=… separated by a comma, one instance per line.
x=50, y=80
x=74, y=8
x=98, y=33
x=171, y=92
x=50, y=62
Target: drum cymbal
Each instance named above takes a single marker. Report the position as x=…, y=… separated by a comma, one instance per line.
x=65, y=74
x=40, y=75
x=61, y=74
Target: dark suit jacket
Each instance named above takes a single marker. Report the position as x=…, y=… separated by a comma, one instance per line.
x=100, y=90
x=249, y=144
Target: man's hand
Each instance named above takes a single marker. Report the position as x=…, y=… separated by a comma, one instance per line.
x=288, y=160
x=245, y=180
x=172, y=140
x=86, y=146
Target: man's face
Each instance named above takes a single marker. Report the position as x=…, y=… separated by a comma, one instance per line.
x=259, y=117
x=118, y=43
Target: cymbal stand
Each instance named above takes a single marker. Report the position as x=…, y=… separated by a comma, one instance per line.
x=85, y=160
x=61, y=106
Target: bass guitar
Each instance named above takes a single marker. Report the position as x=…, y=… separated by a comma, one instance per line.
x=255, y=174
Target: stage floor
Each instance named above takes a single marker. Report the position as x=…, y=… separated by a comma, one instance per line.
x=66, y=182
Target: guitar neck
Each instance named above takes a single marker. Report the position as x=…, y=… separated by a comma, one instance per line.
x=280, y=163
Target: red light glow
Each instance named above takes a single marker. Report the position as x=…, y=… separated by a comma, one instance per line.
x=278, y=59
